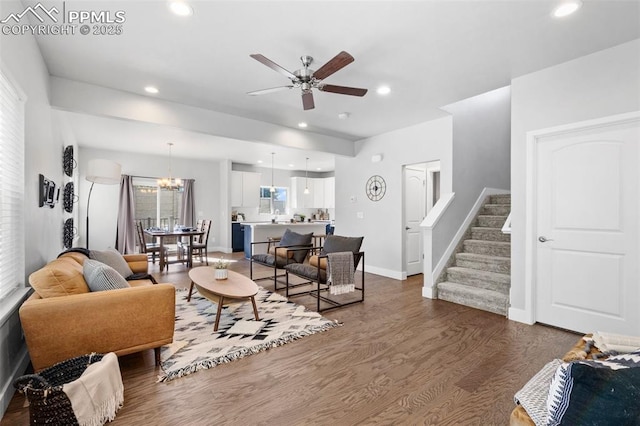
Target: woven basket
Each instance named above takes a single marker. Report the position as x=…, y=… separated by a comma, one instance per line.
x=48, y=404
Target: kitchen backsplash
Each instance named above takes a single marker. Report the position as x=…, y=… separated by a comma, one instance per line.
x=251, y=214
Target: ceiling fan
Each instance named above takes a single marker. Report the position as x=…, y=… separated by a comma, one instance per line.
x=307, y=79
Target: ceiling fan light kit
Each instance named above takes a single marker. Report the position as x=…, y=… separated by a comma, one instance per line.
x=307, y=79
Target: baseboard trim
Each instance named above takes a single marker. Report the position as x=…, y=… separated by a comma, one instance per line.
x=520, y=315
x=396, y=275
x=429, y=292
x=19, y=370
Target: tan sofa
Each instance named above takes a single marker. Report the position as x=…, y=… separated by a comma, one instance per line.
x=63, y=319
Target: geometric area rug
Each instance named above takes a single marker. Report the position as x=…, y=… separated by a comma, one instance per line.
x=197, y=347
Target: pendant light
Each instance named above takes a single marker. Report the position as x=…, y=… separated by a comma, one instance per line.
x=273, y=188
x=306, y=174
x=170, y=182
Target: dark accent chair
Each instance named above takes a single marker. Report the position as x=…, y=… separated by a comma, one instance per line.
x=314, y=273
x=280, y=254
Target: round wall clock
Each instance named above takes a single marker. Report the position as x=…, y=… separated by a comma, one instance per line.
x=376, y=187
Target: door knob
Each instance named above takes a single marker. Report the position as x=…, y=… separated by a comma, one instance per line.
x=407, y=228
x=544, y=239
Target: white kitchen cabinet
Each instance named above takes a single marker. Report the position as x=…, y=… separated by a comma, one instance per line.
x=300, y=200
x=321, y=193
x=245, y=189
x=318, y=193
x=329, y=193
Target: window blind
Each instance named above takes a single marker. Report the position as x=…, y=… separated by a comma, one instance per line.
x=12, y=262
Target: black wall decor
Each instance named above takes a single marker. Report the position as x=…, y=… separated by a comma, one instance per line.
x=68, y=197
x=68, y=162
x=48, y=192
x=68, y=232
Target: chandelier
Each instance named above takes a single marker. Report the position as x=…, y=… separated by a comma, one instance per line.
x=170, y=182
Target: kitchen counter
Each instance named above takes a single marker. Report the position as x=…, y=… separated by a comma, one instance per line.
x=262, y=231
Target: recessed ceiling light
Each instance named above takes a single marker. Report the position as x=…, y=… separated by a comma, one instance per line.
x=566, y=8
x=383, y=90
x=151, y=89
x=291, y=165
x=180, y=8
x=344, y=115
x=259, y=161
x=302, y=124
x=318, y=168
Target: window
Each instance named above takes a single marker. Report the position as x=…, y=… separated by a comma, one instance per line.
x=12, y=262
x=155, y=207
x=273, y=205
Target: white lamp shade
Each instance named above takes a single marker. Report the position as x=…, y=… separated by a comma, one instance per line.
x=106, y=172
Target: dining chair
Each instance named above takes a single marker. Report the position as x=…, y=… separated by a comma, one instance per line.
x=199, y=246
x=182, y=245
x=151, y=249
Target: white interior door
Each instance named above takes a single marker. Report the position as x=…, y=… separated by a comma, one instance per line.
x=414, y=212
x=587, y=257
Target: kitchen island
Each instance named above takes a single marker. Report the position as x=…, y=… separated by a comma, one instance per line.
x=262, y=231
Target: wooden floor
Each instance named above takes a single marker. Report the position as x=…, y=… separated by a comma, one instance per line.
x=398, y=359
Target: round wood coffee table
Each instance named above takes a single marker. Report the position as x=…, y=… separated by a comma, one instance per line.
x=235, y=288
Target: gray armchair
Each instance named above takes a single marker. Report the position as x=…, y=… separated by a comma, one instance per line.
x=315, y=274
x=291, y=248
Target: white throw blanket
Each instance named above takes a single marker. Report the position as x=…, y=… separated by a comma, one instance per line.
x=608, y=342
x=98, y=394
x=340, y=272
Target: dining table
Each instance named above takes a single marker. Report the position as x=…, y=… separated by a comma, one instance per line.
x=162, y=234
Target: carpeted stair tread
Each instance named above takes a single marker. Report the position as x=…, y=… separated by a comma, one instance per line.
x=500, y=199
x=482, y=279
x=484, y=262
x=491, y=221
x=496, y=209
x=492, y=248
x=489, y=234
x=474, y=297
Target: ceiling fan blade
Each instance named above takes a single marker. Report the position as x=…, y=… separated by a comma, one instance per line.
x=271, y=90
x=343, y=90
x=338, y=62
x=307, y=100
x=268, y=62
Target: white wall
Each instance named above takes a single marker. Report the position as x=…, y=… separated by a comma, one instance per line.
x=21, y=59
x=598, y=85
x=382, y=221
x=104, y=198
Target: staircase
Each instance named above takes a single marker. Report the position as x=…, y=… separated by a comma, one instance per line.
x=479, y=274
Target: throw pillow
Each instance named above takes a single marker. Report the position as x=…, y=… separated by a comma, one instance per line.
x=293, y=239
x=114, y=259
x=596, y=392
x=337, y=243
x=100, y=277
x=533, y=395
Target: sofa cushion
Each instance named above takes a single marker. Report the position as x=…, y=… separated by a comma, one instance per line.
x=60, y=277
x=293, y=239
x=271, y=260
x=114, y=259
x=100, y=276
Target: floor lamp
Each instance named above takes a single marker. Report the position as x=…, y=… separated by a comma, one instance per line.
x=106, y=172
